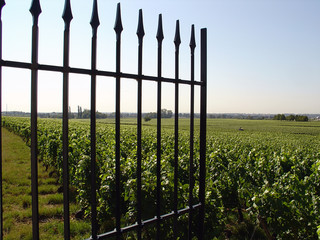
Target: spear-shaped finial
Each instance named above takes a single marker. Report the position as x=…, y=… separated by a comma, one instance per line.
x=192, y=39
x=140, y=30
x=160, y=36
x=177, y=39
x=118, y=23
x=67, y=13
x=2, y=3
x=35, y=9
x=94, y=22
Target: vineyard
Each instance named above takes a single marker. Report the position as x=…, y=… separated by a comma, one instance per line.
x=261, y=183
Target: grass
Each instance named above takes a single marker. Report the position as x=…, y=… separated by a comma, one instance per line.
x=17, y=203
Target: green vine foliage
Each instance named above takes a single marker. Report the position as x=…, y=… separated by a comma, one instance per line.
x=271, y=178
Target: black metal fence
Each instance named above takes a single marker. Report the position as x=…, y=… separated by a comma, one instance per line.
x=35, y=66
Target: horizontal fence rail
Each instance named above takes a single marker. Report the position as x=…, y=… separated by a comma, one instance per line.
x=34, y=66
x=51, y=68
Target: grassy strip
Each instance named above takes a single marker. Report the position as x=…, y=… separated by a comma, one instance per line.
x=17, y=197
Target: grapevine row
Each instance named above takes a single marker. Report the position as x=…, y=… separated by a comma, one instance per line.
x=270, y=179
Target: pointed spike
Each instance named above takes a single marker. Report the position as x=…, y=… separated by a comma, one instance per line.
x=177, y=39
x=140, y=30
x=94, y=22
x=160, y=36
x=67, y=13
x=35, y=8
x=118, y=24
x=2, y=3
x=192, y=39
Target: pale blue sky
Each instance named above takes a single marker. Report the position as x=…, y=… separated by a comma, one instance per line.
x=263, y=55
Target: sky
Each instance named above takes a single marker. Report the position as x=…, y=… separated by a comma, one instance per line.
x=263, y=55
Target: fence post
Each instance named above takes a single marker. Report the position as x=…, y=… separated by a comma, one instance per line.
x=94, y=24
x=2, y=3
x=118, y=29
x=203, y=130
x=160, y=38
x=35, y=10
x=191, y=169
x=140, y=34
x=67, y=17
x=177, y=42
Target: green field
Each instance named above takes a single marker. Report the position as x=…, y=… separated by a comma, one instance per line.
x=17, y=196
x=261, y=181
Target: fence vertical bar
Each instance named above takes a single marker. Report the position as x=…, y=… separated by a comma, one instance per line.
x=118, y=29
x=94, y=24
x=2, y=3
x=67, y=17
x=177, y=42
x=160, y=38
x=35, y=10
x=191, y=169
x=140, y=34
x=203, y=130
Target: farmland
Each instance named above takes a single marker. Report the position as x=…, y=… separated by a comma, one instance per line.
x=261, y=181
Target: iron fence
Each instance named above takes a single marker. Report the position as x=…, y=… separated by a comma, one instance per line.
x=34, y=66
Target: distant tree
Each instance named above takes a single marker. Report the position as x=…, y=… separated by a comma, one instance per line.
x=151, y=115
x=300, y=118
x=166, y=113
x=70, y=115
x=276, y=117
x=111, y=115
x=279, y=117
x=100, y=115
x=79, y=112
x=291, y=117
x=86, y=113
x=147, y=118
